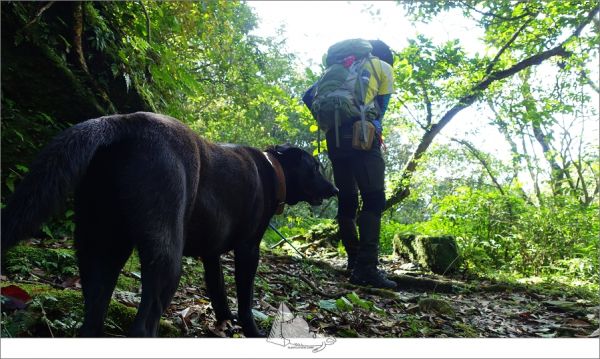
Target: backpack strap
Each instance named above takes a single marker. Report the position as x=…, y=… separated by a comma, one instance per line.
x=375, y=71
x=362, y=106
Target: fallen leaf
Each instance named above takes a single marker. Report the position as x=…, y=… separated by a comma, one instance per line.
x=16, y=297
x=38, y=272
x=73, y=282
x=185, y=313
x=224, y=329
x=130, y=299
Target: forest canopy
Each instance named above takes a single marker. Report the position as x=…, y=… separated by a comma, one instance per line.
x=533, y=214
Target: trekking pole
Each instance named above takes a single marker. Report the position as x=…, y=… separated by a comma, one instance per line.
x=362, y=107
x=283, y=239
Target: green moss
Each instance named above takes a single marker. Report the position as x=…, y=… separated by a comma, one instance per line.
x=437, y=254
x=130, y=281
x=466, y=330
x=22, y=259
x=59, y=313
x=326, y=230
x=403, y=247
x=428, y=305
x=192, y=273
x=128, y=284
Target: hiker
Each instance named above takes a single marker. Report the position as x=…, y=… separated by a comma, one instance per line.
x=352, y=119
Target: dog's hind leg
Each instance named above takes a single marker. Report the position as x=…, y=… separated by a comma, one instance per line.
x=161, y=269
x=246, y=263
x=100, y=261
x=215, y=285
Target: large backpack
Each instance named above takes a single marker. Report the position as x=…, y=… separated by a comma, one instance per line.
x=339, y=95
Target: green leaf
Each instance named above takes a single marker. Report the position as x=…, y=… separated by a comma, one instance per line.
x=22, y=168
x=47, y=231
x=328, y=304
x=343, y=304
x=355, y=299
x=260, y=315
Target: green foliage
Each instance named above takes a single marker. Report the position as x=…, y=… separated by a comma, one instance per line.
x=505, y=233
x=59, y=313
x=23, y=259
x=348, y=303
x=199, y=62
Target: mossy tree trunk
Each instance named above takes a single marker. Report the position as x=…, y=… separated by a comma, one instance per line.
x=47, y=84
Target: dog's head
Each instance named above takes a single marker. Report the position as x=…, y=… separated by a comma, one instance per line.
x=303, y=178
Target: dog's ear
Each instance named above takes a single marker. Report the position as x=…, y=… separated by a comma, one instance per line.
x=280, y=149
x=288, y=153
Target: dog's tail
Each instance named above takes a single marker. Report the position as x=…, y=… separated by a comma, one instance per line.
x=53, y=174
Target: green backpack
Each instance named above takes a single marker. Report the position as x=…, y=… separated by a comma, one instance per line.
x=339, y=97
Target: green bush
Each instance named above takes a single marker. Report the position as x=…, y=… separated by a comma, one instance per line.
x=497, y=232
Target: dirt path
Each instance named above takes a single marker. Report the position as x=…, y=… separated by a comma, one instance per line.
x=315, y=289
x=319, y=292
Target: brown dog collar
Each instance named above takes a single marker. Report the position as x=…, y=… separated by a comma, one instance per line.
x=280, y=179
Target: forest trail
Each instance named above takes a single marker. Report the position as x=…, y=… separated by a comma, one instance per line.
x=314, y=288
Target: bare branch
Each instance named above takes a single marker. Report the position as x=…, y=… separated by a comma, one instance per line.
x=589, y=81
x=506, y=46
x=481, y=158
x=534, y=174
x=38, y=15
x=148, y=38
x=412, y=115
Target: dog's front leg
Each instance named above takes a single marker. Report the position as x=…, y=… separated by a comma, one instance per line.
x=246, y=262
x=213, y=276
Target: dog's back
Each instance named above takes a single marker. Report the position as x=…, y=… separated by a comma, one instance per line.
x=61, y=166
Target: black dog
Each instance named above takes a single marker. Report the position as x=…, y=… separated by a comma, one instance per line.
x=147, y=181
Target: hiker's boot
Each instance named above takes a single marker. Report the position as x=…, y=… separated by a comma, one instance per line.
x=365, y=272
x=349, y=236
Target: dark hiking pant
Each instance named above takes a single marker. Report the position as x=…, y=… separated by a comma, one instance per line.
x=359, y=172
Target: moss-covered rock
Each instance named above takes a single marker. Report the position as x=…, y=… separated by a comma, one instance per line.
x=433, y=305
x=403, y=247
x=323, y=232
x=437, y=254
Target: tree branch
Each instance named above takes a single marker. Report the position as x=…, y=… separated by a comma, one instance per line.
x=77, y=36
x=39, y=13
x=505, y=47
x=534, y=175
x=148, y=38
x=402, y=191
x=427, y=106
x=589, y=81
x=480, y=157
x=496, y=16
